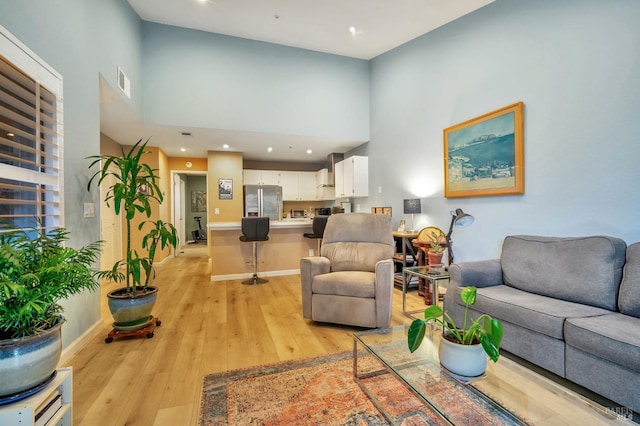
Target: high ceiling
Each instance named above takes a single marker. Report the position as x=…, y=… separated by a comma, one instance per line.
x=356, y=28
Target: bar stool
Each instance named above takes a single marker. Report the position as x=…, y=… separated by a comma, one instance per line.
x=255, y=229
x=319, y=223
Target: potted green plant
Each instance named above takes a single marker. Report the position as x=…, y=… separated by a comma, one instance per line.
x=37, y=270
x=134, y=192
x=436, y=250
x=484, y=333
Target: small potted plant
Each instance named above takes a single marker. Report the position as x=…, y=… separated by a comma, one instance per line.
x=463, y=350
x=134, y=192
x=37, y=270
x=436, y=250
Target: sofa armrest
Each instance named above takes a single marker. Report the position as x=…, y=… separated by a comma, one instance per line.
x=384, y=292
x=482, y=273
x=309, y=268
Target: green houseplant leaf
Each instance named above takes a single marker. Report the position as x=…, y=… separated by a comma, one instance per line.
x=484, y=329
x=135, y=188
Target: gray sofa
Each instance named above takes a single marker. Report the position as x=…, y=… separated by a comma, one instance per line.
x=569, y=305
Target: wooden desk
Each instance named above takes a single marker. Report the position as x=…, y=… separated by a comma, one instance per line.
x=407, y=248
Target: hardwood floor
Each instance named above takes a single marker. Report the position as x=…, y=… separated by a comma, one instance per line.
x=206, y=327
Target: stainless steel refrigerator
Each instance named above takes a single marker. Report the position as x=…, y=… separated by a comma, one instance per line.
x=263, y=200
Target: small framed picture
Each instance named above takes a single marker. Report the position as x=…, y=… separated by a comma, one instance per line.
x=225, y=189
x=401, y=225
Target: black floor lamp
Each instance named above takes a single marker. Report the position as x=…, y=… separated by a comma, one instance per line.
x=459, y=219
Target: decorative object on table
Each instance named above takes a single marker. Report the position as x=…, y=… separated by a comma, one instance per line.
x=459, y=219
x=412, y=206
x=485, y=155
x=225, y=189
x=131, y=305
x=436, y=251
x=485, y=333
x=198, y=201
x=37, y=270
x=401, y=225
x=381, y=210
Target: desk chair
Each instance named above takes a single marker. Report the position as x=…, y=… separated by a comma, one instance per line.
x=255, y=229
x=319, y=223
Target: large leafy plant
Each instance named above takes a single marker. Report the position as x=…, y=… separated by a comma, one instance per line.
x=484, y=329
x=135, y=187
x=36, y=271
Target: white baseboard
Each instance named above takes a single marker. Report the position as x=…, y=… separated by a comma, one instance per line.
x=75, y=346
x=249, y=275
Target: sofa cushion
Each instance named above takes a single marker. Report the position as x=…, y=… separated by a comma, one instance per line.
x=584, y=270
x=614, y=337
x=538, y=313
x=629, y=297
x=345, y=283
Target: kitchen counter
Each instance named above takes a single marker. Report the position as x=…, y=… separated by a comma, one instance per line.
x=232, y=259
x=273, y=224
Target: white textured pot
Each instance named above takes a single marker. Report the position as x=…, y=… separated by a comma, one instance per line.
x=465, y=360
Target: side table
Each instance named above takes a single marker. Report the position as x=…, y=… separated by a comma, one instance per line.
x=421, y=272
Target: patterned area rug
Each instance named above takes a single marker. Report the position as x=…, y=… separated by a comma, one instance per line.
x=321, y=391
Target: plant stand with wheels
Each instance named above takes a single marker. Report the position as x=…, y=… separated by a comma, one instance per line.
x=147, y=331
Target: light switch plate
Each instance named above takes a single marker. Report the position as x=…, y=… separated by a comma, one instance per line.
x=89, y=210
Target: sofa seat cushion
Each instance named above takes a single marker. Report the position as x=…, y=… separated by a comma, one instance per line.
x=585, y=270
x=614, y=337
x=538, y=313
x=345, y=283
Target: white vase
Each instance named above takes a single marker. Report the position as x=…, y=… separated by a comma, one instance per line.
x=464, y=360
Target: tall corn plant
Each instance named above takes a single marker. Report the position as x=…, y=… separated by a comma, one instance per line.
x=136, y=185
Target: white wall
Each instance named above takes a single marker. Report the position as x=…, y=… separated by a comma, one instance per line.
x=198, y=79
x=80, y=39
x=573, y=63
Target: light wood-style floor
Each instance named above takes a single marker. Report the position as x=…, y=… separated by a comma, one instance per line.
x=206, y=327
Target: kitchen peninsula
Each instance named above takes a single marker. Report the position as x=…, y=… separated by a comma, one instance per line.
x=280, y=255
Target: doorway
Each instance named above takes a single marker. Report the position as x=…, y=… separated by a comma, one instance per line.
x=189, y=203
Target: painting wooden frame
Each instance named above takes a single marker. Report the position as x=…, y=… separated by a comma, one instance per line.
x=485, y=155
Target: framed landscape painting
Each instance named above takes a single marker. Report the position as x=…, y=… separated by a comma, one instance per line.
x=485, y=155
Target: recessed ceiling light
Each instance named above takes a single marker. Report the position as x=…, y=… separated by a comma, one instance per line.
x=183, y=149
x=309, y=151
x=352, y=30
x=225, y=146
x=269, y=149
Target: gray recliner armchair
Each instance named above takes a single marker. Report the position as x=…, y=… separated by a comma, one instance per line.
x=351, y=282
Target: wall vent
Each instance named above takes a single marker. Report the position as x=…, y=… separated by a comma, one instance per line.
x=123, y=83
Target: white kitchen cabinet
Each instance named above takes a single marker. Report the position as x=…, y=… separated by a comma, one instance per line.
x=325, y=193
x=298, y=186
x=352, y=177
x=261, y=177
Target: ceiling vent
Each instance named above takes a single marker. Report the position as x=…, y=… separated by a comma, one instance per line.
x=123, y=83
x=186, y=134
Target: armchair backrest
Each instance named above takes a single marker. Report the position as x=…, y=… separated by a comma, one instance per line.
x=357, y=241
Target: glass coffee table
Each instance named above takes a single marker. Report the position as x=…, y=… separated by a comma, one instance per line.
x=431, y=279
x=508, y=393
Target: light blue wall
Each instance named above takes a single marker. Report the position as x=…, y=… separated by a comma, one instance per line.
x=194, y=78
x=80, y=39
x=575, y=66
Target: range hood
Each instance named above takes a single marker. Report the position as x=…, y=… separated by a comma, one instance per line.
x=332, y=159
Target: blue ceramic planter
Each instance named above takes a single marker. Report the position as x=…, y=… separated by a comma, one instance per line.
x=29, y=361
